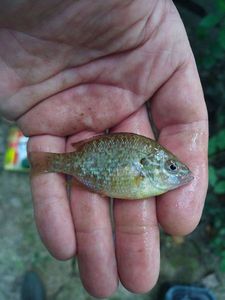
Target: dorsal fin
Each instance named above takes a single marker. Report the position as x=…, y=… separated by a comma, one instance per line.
x=79, y=144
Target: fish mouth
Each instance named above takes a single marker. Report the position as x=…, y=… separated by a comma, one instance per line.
x=186, y=178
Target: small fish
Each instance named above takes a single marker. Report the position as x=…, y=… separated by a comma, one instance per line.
x=118, y=165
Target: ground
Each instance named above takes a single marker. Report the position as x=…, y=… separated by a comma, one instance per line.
x=185, y=261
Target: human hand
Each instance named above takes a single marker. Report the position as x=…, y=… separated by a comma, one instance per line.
x=73, y=70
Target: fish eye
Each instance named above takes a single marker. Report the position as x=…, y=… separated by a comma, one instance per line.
x=144, y=161
x=171, y=166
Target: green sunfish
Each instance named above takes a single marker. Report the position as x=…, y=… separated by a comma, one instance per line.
x=118, y=165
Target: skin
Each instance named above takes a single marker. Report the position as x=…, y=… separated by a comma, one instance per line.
x=69, y=71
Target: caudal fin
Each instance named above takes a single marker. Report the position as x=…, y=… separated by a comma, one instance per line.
x=40, y=162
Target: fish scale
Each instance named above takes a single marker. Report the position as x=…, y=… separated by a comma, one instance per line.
x=119, y=165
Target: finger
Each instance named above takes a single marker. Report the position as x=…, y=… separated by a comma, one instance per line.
x=96, y=255
x=51, y=206
x=179, y=112
x=136, y=228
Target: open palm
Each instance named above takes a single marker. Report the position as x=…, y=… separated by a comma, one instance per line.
x=71, y=71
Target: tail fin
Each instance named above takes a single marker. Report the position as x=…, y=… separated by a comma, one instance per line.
x=41, y=162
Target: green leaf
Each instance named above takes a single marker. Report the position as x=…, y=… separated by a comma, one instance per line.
x=217, y=51
x=208, y=61
x=201, y=33
x=217, y=243
x=212, y=145
x=221, y=172
x=222, y=233
x=220, y=187
x=221, y=5
x=221, y=139
x=212, y=176
x=218, y=223
x=210, y=20
x=217, y=142
x=222, y=265
x=221, y=38
x=221, y=120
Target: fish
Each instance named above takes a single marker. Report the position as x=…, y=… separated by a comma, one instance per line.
x=118, y=165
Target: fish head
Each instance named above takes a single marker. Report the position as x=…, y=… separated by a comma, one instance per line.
x=165, y=171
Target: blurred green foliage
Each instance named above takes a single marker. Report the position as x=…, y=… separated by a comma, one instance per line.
x=208, y=41
x=205, y=22
x=215, y=203
x=213, y=24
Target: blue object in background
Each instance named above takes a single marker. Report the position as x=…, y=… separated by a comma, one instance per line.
x=182, y=292
x=32, y=287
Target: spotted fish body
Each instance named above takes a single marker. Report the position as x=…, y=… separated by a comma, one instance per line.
x=119, y=165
